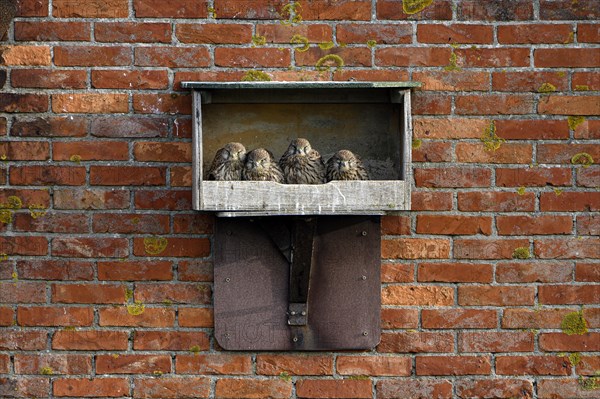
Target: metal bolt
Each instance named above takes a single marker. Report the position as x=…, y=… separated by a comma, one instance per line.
x=365, y=333
x=364, y=277
x=227, y=280
x=227, y=335
x=228, y=232
x=295, y=339
x=303, y=313
x=293, y=313
x=364, y=233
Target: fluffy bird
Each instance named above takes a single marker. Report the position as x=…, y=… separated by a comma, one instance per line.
x=301, y=164
x=344, y=165
x=260, y=165
x=228, y=163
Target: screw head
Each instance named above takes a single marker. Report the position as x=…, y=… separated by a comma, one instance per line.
x=295, y=339
x=229, y=232
x=364, y=233
x=303, y=313
x=293, y=313
x=364, y=277
x=227, y=280
x=365, y=333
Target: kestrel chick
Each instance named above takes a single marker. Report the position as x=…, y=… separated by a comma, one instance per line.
x=344, y=165
x=228, y=163
x=260, y=165
x=301, y=164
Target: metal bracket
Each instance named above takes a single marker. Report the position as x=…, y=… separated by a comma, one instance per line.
x=303, y=238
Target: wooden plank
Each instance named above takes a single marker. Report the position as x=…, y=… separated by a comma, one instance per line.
x=197, y=151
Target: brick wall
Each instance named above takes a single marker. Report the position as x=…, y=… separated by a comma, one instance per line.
x=106, y=273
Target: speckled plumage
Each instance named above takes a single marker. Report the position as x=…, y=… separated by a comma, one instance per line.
x=344, y=165
x=260, y=165
x=301, y=164
x=228, y=163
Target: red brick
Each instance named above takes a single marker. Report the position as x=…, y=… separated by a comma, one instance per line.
x=431, y=201
x=90, y=247
x=489, y=201
x=570, y=201
x=453, y=365
x=587, y=272
x=416, y=342
x=56, y=269
x=132, y=364
x=164, y=200
x=455, y=81
x=97, y=9
x=495, y=296
x=196, y=317
x=392, y=9
x=499, y=388
x=528, y=81
x=490, y=341
x=131, y=32
x=533, y=365
x=371, y=75
x=127, y=176
x=129, y=126
x=90, y=340
x=450, y=128
x=91, y=151
x=492, y=57
x=415, y=56
x=172, y=387
x=49, y=79
x=258, y=9
x=25, y=150
x=25, y=56
x=173, y=57
x=23, y=245
x=14, y=102
x=90, y=103
x=180, y=293
x=214, y=33
x=233, y=388
x=581, y=79
x=454, y=33
x=7, y=316
x=572, y=248
x=507, y=153
x=414, y=388
x=341, y=10
x=58, y=126
x=491, y=10
x=432, y=151
x=150, y=317
x=84, y=387
x=399, y=225
x=453, y=177
x=399, y=318
x=536, y=319
x=401, y=295
x=47, y=175
x=88, y=293
x=569, y=294
x=171, y=340
x=500, y=104
x=533, y=177
x=172, y=9
x=380, y=33
x=334, y=389
x=588, y=225
x=352, y=56
x=534, y=272
x=564, y=388
x=567, y=10
x=397, y=273
x=91, y=56
x=162, y=103
x=588, y=365
x=374, y=365
x=459, y=318
x=588, y=177
x=60, y=364
x=139, y=80
x=252, y=57
x=91, y=199
x=23, y=292
x=130, y=223
x=195, y=270
x=415, y=248
x=294, y=365
x=278, y=33
x=569, y=105
x=47, y=31
x=566, y=57
x=531, y=225
x=534, y=34
x=32, y=8
x=214, y=364
x=24, y=387
x=176, y=247
x=588, y=33
x=558, y=342
x=193, y=224
x=563, y=153
x=427, y=103
x=455, y=272
x=487, y=249
x=515, y=129
x=54, y=316
x=162, y=152
x=23, y=340
x=135, y=270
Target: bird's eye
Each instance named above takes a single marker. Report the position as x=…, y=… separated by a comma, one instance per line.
x=306, y=149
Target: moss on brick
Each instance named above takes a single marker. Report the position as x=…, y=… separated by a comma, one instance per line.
x=582, y=158
x=521, y=253
x=574, y=324
x=415, y=6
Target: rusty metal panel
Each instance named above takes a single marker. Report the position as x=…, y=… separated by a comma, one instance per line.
x=252, y=278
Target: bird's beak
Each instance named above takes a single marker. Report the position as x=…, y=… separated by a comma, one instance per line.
x=344, y=165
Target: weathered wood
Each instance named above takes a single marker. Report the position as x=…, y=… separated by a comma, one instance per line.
x=197, y=151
